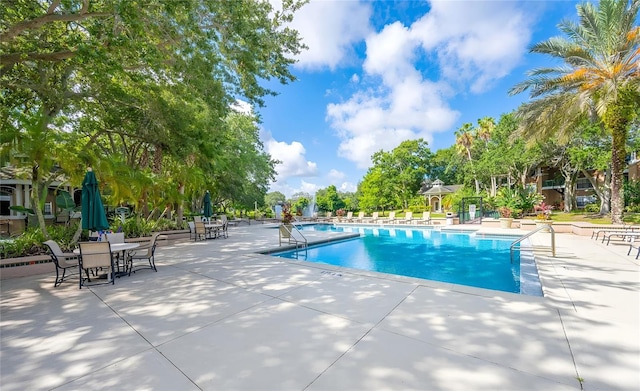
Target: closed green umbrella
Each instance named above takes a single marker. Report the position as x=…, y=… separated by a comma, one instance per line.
x=93, y=216
x=207, y=210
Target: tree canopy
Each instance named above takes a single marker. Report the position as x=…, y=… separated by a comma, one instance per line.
x=144, y=93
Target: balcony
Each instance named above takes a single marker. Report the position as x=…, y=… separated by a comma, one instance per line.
x=553, y=184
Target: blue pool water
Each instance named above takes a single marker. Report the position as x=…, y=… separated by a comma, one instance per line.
x=448, y=256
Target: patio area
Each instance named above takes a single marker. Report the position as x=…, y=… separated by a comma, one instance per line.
x=219, y=316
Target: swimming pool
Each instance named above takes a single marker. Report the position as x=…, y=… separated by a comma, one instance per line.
x=442, y=255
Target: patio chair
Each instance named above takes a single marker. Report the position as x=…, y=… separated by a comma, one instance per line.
x=118, y=237
x=200, y=231
x=192, y=230
x=360, y=218
x=63, y=261
x=625, y=228
x=374, y=217
x=96, y=255
x=391, y=219
x=327, y=218
x=197, y=219
x=426, y=218
x=633, y=245
x=408, y=216
x=349, y=217
x=626, y=235
x=145, y=252
x=224, y=231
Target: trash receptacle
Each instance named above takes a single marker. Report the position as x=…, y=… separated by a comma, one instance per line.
x=449, y=218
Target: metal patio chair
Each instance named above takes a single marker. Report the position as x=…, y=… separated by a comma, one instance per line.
x=63, y=261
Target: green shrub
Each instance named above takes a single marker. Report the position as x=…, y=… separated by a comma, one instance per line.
x=592, y=208
x=632, y=209
x=30, y=242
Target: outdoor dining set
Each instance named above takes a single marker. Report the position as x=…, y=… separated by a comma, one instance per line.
x=209, y=227
x=105, y=258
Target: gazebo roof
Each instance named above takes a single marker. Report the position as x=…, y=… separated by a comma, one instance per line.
x=438, y=190
x=437, y=187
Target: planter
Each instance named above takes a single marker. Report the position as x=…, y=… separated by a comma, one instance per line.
x=545, y=224
x=505, y=222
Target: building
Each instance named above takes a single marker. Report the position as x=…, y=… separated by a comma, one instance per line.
x=17, y=192
x=435, y=191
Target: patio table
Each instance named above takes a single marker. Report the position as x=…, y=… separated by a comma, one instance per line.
x=115, y=248
x=213, y=227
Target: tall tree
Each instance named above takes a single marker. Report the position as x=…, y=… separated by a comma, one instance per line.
x=123, y=64
x=464, y=144
x=328, y=199
x=600, y=76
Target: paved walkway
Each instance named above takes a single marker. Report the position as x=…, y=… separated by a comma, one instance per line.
x=218, y=316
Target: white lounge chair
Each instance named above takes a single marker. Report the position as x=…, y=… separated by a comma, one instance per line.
x=426, y=218
x=408, y=217
x=391, y=219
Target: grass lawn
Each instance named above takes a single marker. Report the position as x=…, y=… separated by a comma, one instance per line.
x=629, y=218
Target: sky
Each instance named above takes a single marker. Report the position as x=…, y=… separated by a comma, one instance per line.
x=381, y=72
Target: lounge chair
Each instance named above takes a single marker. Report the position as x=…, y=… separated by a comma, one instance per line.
x=360, y=218
x=390, y=220
x=349, y=217
x=633, y=245
x=63, y=261
x=374, y=218
x=408, y=216
x=625, y=228
x=327, y=218
x=426, y=218
x=630, y=235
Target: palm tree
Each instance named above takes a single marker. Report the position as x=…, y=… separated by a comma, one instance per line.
x=464, y=142
x=599, y=78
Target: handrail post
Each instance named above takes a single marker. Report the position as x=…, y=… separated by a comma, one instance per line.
x=553, y=240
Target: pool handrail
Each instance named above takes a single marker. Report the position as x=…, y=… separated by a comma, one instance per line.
x=520, y=239
x=300, y=242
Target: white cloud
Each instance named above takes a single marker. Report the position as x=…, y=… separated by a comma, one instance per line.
x=242, y=107
x=329, y=29
x=348, y=187
x=336, y=175
x=476, y=41
x=291, y=156
x=471, y=44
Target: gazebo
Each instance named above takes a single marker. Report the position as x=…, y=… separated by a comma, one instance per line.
x=434, y=191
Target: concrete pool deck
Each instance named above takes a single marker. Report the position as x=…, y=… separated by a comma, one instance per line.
x=219, y=316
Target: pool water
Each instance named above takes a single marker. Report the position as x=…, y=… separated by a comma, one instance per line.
x=448, y=256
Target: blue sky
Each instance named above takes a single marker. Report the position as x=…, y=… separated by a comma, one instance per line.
x=380, y=72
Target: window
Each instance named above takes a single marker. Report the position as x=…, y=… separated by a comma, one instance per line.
x=5, y=203
x=583, y=183
x=48, y=208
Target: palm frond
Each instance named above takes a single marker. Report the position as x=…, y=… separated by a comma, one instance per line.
x=554, y=115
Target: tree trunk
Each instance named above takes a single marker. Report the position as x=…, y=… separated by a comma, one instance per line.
x=616, y=119
x=494, y=186
x=617, y=167
x=180, y=208
x=35, y=199
x=569, y=195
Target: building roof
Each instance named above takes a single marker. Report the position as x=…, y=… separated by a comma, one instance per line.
x=437, y=187
x=437, y=190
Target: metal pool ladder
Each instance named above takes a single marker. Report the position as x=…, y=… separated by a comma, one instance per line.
x=553, y=241
x=294, y=236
